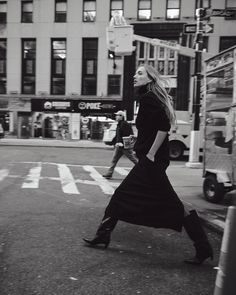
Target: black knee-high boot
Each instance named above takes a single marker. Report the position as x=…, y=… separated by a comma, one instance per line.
x=194, y=229
x=103, y=234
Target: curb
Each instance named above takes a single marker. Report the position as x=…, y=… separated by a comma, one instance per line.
x=215, y=225
x=58, y=144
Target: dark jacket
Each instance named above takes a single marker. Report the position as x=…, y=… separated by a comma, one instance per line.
x=151, y=118
x=123, y=129
x=146, y=196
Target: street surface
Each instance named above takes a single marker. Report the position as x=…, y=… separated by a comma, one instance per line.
x=50, y=198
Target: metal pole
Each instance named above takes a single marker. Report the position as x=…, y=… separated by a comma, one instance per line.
x=195, y=133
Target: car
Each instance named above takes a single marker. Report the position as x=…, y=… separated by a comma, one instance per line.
x=109, y=134
x=1, y=131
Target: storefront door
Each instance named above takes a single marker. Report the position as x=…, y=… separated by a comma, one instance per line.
x=23, y=130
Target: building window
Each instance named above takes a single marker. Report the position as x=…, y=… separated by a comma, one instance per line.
x=117, y=7
x=89, y=70
x=173, y=9
x=89, y=11
x=28, y=66
x=163, y=59
x=27, y=11
x=113, y=84
x=3, y=12
x=144, y=9
x=3, y=66
x=60, y=11
x=230, y=6
x=58, y=68
x=206, y=3
x=227, y=42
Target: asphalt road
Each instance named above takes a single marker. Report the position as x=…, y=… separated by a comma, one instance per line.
x=52, y=197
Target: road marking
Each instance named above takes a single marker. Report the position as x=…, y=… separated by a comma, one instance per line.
x=100, y=180
x=67, y=180
x=68, y=183
x=122, y=171
x=32, y=179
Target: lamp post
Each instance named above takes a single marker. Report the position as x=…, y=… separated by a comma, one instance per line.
x=195, y=133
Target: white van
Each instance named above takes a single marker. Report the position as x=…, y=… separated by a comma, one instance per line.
x=179, y=138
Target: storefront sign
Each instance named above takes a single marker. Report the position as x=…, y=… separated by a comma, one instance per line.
x=77, y=106
x=40, y=105
x=96, y=106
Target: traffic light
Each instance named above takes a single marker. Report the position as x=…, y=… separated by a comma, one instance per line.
x=201, y=12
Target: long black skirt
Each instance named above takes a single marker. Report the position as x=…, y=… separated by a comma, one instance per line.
x=146, y=197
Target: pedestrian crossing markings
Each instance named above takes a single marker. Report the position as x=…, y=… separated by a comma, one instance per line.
x=69, y=184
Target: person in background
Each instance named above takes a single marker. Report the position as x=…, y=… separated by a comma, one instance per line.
x=123, y=129
x=146, y=196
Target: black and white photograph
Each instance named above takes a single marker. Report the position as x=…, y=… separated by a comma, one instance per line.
x=117, y=147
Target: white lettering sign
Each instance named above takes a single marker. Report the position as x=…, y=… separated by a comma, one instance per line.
x=89, y=105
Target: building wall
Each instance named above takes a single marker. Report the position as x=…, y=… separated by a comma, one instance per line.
x=44, y=28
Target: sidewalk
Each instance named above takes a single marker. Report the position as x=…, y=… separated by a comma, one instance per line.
x=52, y=143
x=186, y=181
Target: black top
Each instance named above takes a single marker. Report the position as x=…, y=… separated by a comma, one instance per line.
x=151, y=118
x=123, y=129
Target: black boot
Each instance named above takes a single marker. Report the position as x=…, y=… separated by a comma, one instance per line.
x=103, y=234
x=194, y=229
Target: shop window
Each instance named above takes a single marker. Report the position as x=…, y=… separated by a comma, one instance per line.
x=3, y=12
x=173, y=9
x=113, y=84
x=116, y=7
x=58, y=69
x=144, y=9
x=3, y=65
x=89, y=70
x=27, y=11
x=60, y=11
x=89, y=11
x=28, y=66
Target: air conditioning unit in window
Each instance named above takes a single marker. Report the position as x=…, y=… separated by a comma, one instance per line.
x=73, y=94
x=43, y=93
x=13, y=92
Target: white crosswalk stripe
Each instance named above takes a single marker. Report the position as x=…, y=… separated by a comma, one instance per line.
x=122, y=171
x=32, y=179
x=69, y=184
x=101, y=181
x=67, y=180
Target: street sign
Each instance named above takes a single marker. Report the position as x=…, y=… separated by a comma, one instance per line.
x=208, y=28
x=222, y=12
x=190, y=28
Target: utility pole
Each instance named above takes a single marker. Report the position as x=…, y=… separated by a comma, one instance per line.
x=195, y=133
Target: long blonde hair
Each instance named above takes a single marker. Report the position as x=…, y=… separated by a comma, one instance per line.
x=158, y=86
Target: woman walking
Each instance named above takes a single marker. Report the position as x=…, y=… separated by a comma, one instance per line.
x=146, y=197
